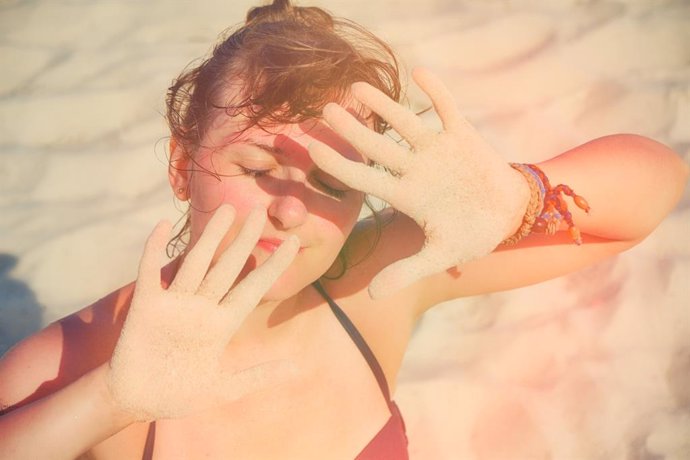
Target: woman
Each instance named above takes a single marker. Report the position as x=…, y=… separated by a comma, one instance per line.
x=265, y=367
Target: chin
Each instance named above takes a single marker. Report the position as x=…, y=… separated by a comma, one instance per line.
x=285, y=287
x=301, y=274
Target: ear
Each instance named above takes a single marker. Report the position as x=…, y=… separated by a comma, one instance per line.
x=179, y=171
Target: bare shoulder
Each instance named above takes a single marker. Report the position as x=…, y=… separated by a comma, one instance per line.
x=372, y=246
x=63, y=351
x=376, y=243
x=385, y=324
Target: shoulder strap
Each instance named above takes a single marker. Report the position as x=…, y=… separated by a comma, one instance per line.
x=150, y=440
x=358, y=340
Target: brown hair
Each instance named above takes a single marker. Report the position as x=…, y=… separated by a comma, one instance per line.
x=291, y=62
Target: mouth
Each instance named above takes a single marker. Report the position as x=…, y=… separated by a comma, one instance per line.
x=271, y=244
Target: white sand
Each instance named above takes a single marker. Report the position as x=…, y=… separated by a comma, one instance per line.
x=595, y=365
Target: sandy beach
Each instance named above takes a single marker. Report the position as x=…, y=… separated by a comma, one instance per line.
x=593, y=365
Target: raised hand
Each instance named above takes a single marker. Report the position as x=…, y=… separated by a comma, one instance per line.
x=463, y=194
x=166, y=363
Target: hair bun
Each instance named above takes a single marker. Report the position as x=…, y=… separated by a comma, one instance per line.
x=283, y=10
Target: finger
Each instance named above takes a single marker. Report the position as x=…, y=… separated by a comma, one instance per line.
x=247, y=294
x=403, y=120
x=149, y=278
x=261, y=377
x=377, y=147
x=356, y=175
x=443, y=100
x=404, y=273
x=223, y=274
x=196, y=262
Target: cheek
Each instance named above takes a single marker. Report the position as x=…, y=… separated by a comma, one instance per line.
x=337, y=221
x=208, y=193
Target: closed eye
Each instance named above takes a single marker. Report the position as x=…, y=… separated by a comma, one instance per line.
x=334, y=192
x=329, y=184
x=253, y=172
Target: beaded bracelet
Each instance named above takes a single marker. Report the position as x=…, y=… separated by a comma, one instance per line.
x=534, y=206
x=552, y=208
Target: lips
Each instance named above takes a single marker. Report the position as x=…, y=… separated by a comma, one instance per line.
x=271, y=244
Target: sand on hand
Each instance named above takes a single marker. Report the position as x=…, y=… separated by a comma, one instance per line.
x=84, y=180
x=464, y=196
x=167, y=361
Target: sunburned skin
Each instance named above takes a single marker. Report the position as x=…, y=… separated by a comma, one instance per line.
x=171, y=369
x=456, y=187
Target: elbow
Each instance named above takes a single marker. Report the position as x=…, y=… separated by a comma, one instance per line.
x=675, y=170
x=672, y=174
x=671, y=169
x=664, y=176
x=683, y=171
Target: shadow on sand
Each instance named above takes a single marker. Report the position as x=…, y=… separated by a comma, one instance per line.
x=20, y=313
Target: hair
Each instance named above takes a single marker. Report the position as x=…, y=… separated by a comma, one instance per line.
x=290, y=62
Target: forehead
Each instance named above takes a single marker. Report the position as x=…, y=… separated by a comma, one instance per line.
x=289, y=138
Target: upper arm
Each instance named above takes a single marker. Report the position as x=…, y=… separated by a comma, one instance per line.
x=30, y=368
x=62, y=352
x=631, y=183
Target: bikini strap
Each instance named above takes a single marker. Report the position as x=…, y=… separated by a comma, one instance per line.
x=150, y=440
x=358, y=340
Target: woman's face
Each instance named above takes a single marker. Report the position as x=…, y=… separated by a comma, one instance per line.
x=272, y=169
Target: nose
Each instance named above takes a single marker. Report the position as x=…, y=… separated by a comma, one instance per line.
x=288, y=210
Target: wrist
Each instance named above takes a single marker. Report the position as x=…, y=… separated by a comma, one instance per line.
x=118, y=417
x=527, y=197
x=65, y=423
x=547, y=209
x=523, y=196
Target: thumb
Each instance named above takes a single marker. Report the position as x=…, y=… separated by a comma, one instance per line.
x=403, y=273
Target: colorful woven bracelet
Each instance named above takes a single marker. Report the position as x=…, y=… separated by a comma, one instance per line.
x=534, y=206
x=553, y=208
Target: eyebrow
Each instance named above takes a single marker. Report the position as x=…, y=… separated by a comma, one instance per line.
x=268, y=148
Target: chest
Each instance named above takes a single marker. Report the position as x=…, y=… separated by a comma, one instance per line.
x=330, y=409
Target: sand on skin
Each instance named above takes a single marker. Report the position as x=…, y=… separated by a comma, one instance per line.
x=84, y=181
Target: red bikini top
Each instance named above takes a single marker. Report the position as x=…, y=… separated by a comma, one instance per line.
x=390, y=443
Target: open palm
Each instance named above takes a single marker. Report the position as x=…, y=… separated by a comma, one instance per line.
x=167, y=361
x=463, y=194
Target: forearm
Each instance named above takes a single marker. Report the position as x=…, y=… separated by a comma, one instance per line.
x=63, y=424
x=630, y=182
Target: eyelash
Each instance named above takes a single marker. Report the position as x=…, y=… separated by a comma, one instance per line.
x=254, y=172
x=335, y=193
x=262, y=172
